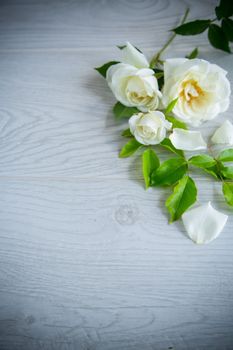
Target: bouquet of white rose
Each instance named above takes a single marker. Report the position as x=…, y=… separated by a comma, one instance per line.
x=161, y=99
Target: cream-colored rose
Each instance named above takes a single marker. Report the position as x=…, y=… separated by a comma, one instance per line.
x=132, y=82
x=202, y=89
x=149, y=128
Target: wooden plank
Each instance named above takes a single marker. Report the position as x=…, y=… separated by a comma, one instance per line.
x=88, y=261
x=94, y=24
x=97, y=268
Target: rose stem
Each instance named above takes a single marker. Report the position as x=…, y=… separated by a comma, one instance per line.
x=156, y=57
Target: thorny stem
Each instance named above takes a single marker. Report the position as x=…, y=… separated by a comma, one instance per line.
x=156, y=58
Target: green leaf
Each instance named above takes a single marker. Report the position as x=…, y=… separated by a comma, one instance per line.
x=169, y=172
x=150, y=162
x=171, y=105
x=103, y=69
x=193, y=28
x=166, y=143
x=225, y=9
x=129, y=148
x=217, y=38
x=158, y=70
x=227, y=27
x=202, y=161
x=227, y=172
x=193, y=54
x=207, y=163
x=227, y=189
x=159, y=75
x=176, y=123
x=127, y=133
x=213, y=171
x=120, y=111
x=121, y=47
x=226, y=155
x=183, y=196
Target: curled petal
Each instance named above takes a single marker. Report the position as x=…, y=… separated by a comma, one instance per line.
x=187, y=140
x=204, y=223
x=224, y=134
x=132, y=56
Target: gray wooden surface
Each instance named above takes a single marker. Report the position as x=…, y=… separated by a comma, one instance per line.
x=87, y=258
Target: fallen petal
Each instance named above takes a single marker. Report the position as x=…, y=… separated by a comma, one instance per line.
x=224, y=134
x=187, y=140
x=132, y=56
x=204, y=223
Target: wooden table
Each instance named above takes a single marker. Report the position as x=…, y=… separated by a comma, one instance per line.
x=87, y=258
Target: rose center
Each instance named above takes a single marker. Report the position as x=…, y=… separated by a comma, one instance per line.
x=191, y=90
x=146, y=131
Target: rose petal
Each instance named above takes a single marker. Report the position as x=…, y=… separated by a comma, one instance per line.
x=224, y=134
x=132, y=56
x=203, y=224
x=204, y=83
x=187, y=140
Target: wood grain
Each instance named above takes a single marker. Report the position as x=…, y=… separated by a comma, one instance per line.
x=88, y=260
x=66, y=24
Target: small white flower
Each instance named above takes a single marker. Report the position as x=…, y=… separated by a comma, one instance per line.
x=187, y=140
x=132, y=82
x=224, y=134
x=204, y=223
x=202, y=88
x=149, y=128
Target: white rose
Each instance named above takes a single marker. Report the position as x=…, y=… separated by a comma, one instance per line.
x=202, y=88
x=149, y=128
x=132, y=82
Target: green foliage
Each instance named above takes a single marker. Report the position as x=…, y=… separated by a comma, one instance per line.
x=103, y=69
x=171, y=105
x=166, y=143
x=193, y=54
x=150, y=162
x=217, y=38
x=193, y=28
x=226, y=155
x=227, y=189
x=213, y=171
x=225, y=9
x=227, y=172
x=169, y=172
x=183, y=196
x=176, y=123
x=129, y=148
x=202, y=161
x=120, y=111
x=159, y=74
x=206, y=163
x=126, y=133
x=227, y=27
